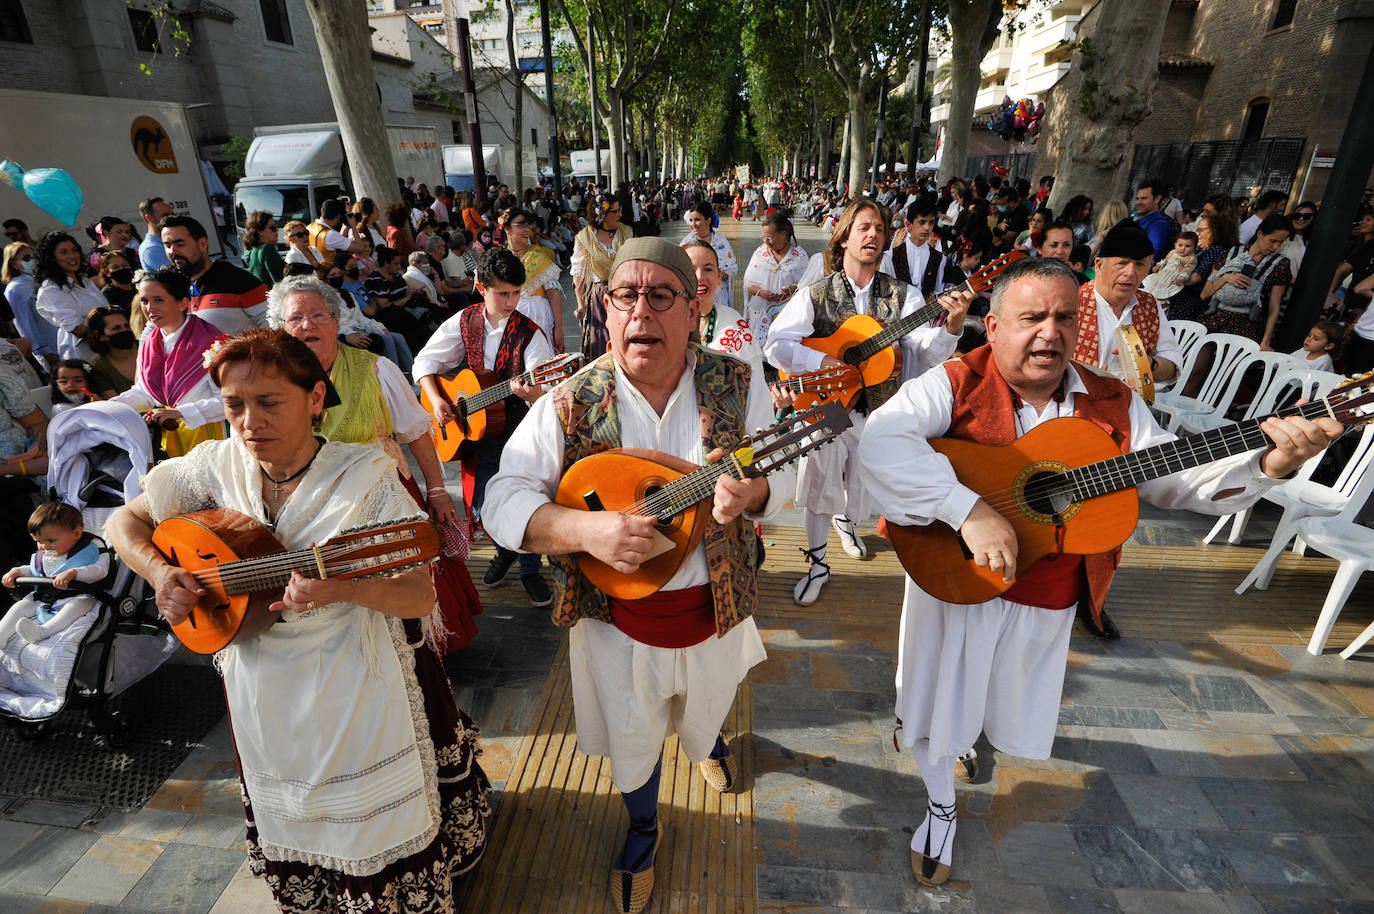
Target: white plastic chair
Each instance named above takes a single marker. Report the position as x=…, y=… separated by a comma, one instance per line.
x=1228, y=350
x=42, y=398
x=1338, y=536
x=1269, y=366
x=1296, y=384
x=1187, y=334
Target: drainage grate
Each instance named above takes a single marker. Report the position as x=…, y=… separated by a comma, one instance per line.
x=69, y=761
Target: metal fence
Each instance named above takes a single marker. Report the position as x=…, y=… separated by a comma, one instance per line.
x=1018, y=165
x=1232, y=167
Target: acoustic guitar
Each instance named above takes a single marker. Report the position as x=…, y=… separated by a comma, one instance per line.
x=478, y=400
x=863, y=341
x=645, y=483
x=1135, y=363
x=824, y=385
x=244, y=569
x=1066, y=487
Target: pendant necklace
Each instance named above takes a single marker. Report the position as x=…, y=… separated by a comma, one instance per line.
x=278, y=483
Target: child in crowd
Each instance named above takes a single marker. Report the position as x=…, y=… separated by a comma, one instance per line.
x=1080, y=258
x=494, y=336
x=1322, y=346
x=66, y=553
x=70, y=385
x=1171, y=275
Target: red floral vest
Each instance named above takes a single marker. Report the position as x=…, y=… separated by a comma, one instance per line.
x=984, y=411
x=1144, y=317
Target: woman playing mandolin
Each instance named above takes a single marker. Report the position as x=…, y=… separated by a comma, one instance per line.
x=377, y=406
x=359, y=771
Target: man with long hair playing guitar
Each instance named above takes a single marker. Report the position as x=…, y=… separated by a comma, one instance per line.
x=998, y=666
x=670, y=661
x=828, y=484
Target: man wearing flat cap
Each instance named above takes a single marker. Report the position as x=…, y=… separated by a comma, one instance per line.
x=642, y=669
x=1112, y=298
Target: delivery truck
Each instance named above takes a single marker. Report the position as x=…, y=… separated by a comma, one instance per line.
x=498, y=161
x=583, y=163
x=292, y=168
x=118, y=150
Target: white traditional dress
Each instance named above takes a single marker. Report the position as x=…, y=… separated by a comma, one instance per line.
x=353, y=756
x=728, y=332
x=541, y=273
x=996, y=667
x=728, y=265
x=773, y=273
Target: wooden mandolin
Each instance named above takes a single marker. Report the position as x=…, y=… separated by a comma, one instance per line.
x=1066, y=487
x=244, y=568
x=862, y=340
x=647, y=483
x=478, y=400
x=824, y=385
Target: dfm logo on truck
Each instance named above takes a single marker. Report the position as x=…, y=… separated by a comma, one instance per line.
x=152, y=146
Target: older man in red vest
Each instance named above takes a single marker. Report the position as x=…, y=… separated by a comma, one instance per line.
x=998, y=667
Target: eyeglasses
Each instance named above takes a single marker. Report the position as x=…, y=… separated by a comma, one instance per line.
x=299, y=234
x=14, y=233
x=319, y=317
x=271, y=228
x=1303, y=216
x=660, y=298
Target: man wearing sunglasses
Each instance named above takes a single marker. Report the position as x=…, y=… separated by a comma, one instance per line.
x=16, y=230
x=642, y=669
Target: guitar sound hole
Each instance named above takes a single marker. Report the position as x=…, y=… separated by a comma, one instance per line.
x=1049, y=493
x=649, y=492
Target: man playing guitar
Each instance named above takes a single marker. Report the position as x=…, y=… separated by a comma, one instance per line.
x=1111, y=299
x=828, y=483
x=642, y=668
x=998, y=666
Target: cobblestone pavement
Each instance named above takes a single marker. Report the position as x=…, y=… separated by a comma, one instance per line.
x=1190, y=778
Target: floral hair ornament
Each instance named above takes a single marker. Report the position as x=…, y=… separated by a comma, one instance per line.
x=213, y=352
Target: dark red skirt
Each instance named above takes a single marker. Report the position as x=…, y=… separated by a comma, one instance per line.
x=459, y=603
x=423, y=882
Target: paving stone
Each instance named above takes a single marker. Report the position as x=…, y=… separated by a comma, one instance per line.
x=1177, y=753
x=1146, y=901
x=42, y=857
x=1249, y=722
x=1325, y=758
x=1300, y=694
x=1043, y=854
x=1106, y=748
x=228, y=832
x=1322, y=726
x=1156, y=858
x=1327, y=809
x=1095, y=689
x=1080, y=900
x=1160, y=802
x=185, y=879
x=156, y=824
x=1215, y=693
x=1010, y=898
x=245, y=894
x=1274, y=864
x=797, y=884
x=1135, y=718
x=107, y=871
x=852, y=672
x=1249, y=805
x=1348, y=860
x=26, y=903
x=1246, y=755
x=1284, y=905
x=1242, y=904
x=1186, y=719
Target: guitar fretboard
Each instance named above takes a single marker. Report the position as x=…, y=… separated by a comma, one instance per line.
x=1136, y=467
x=893, y=333
x=479, y=401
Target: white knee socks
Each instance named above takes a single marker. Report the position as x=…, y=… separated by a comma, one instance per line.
x=938, y=774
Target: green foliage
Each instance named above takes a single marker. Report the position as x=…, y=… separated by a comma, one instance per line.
x=1087, y=62
x=171, y=33
x=235, y=149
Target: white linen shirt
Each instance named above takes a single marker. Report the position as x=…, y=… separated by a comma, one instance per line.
x=445, y=350
x=532, y=462
x=1107, y=322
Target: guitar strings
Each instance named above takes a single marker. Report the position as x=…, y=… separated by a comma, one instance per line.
x=1108, y=476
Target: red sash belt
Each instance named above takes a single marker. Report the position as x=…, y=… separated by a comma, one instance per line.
x=669, y=618
x=1054, y=582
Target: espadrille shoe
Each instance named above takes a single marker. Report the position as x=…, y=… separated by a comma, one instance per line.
x=629, y=890
x=966, y=767
x=931, y=867
x=720, y=773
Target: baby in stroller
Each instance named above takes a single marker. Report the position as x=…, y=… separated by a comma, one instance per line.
x=66, y=553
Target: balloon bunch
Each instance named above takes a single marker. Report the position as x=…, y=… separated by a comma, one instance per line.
x=1015, y=121
x=51, y=189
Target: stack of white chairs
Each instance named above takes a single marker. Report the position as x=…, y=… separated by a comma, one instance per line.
x=1186, y=335
x=1336, y=534
x=1260, y=368
x=1228, y=351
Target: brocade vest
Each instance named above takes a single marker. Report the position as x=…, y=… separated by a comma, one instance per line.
x=588, y=412
x=985, y=411
x=832, y=302
x=1144, y=317
x=510, y=353
x=935, y=262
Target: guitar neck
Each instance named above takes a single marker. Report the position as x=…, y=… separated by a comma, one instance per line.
x=267, y=572
x=495, y=393
x=893, y=332
x=1141, y=466
x=685, y=491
